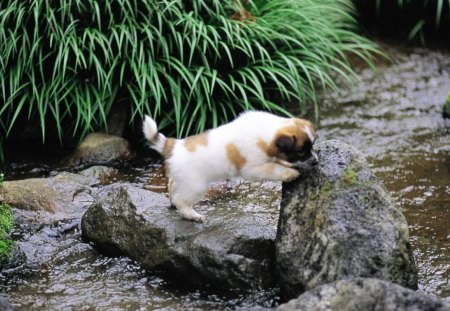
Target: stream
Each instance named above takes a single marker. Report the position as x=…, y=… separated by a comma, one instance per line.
x=392, y=114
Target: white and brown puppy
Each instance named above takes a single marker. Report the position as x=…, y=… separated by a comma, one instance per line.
x=256, y=145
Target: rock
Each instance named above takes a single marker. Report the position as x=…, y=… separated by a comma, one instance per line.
x=364, y=294
x=99, y=148
x=233, y=249
x=98, y=172
x=39, y=246
x=34, y=194
x=338, y=221
x=42, y=243
x=65, y=193
x=5, y=305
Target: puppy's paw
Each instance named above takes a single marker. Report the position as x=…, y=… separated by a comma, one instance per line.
x=192, y=216
x=285, y=163
x=199, y=218
x=291, y=175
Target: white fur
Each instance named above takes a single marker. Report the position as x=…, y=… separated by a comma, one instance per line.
x=150, y=129
x=190, y=171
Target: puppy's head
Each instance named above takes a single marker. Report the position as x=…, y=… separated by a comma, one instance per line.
x=294, y=143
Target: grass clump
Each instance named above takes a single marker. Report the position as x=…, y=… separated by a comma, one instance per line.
x=6, y=224
x=192, y=64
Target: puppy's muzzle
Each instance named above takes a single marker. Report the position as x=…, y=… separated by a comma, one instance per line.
x=309, y=163
x=313, y=159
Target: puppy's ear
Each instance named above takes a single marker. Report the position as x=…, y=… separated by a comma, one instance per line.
x=286, y=143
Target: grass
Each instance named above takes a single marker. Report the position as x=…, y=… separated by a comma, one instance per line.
x=6, y=224
x=191, y=65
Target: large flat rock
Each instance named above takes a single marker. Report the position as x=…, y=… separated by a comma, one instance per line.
x=234, y=248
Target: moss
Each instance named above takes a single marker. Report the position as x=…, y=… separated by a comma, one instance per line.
x=324, y=191
x=6, y=219
x=446, y=107
x=6, y=224
x=350, y=177
x=6, y=247
x=318, y=220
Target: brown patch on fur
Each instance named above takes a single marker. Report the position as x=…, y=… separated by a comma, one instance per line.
x=293, y=130
x=271, y=150
x=235, y=156
x=167, y=153
x=168, y=148
x=192, y=142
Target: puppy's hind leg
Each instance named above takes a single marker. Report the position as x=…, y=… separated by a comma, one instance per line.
x=170, y=186
x=184, y=195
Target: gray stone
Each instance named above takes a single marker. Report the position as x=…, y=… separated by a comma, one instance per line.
x=233, y=249
x=98, y=172
x=5, y=305
x=99, y=148
x=337, y=221
x=364, y=294
x=63, y=194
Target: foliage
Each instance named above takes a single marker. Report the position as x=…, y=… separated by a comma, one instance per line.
x=65, y=63
x=417, y=17
x=6, y=224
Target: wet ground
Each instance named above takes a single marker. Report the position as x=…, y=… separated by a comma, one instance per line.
x=393, y=115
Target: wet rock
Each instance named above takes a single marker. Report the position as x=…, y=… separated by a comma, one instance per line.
x=39, y=244
x=65, y=193
x=233, y=249
x=364, y=294
x=98, y=172
x=338, y=221
x=5, y=305
x=34, y=194
x=98, y=148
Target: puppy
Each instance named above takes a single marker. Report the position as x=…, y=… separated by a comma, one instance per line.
x=256, y=145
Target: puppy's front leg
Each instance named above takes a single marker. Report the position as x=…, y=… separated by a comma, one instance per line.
x=285, y=163
x=271, y=171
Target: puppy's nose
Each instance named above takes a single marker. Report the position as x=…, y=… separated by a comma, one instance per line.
x=314, y=159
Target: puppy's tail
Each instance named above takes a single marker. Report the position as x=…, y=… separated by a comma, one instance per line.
x=150, y=129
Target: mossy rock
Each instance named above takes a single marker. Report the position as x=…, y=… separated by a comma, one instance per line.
x=338, y=221
x=6, y=225
x=446, y=108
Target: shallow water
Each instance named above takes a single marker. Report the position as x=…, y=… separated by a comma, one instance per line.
x=393, y=115
x=77, y=277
